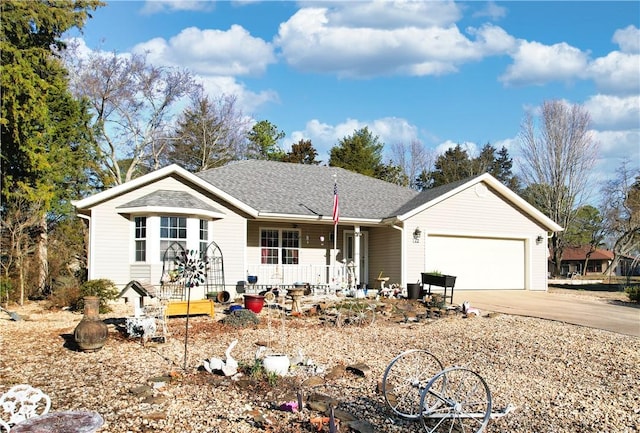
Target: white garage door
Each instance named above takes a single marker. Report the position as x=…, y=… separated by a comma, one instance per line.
x=478, y=263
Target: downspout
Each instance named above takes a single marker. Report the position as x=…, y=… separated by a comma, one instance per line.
x=403, y=254
x=89, y=249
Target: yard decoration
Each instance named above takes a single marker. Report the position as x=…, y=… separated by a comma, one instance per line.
x=229, y=366
x=193, y=270
x=91, y=333
x=416, y=386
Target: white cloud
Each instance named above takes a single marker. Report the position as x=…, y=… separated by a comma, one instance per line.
x=615, y=147
x=157, y=6
x=535, y=63
x=247, y=100
x=613, y=112
x=323, y=136
x=384, y=14
x=616, y=73
x=469, y=146
x=314, y=40
x=211, y=52
x=628, y=39
x=491, y=10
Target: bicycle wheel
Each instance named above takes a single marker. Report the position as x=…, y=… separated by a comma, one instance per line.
x=404, y=379
x=455, y=400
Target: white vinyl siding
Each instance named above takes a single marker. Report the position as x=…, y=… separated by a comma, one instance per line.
x=112, y=248
x=474, y=214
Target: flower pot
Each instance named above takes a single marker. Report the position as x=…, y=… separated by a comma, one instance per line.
x=91, y=333
x=438, y=280
x=254, y=303
x=223, y=297
x=414, y=291
x=278, y=364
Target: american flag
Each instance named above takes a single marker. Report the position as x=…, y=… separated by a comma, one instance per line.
x=336, y=207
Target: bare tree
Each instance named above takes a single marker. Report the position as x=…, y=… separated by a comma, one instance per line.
x=414, y=159
x=621, y=204
x=132, y=102
x=558, y=152
x=21, y=219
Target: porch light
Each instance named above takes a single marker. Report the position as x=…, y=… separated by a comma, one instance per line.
x=539, y=239
x=416, y=235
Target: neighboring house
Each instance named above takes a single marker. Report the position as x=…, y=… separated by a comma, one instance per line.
x=274, y=220
x=574, y=258
x=573, y=261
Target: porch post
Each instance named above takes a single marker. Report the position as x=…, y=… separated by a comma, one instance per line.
x=356, y=254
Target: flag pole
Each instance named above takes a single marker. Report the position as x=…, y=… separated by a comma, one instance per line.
x=336, y=213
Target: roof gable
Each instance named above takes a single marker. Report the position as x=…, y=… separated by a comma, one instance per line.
x=168, y=199
x=436, y=195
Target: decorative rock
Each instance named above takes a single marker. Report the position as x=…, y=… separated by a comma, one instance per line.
x=359, y=369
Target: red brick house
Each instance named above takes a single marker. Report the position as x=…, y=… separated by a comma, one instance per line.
x=574, y=260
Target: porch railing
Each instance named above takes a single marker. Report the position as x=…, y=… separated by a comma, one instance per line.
x=315, y=275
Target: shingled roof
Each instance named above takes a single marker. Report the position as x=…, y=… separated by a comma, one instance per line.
x=167, y=198
x=580, y=253
x=306, y=190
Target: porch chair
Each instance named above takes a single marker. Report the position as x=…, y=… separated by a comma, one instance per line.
x=22, y=402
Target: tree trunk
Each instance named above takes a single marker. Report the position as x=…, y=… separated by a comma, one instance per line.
x=43, y=256
x=556, y=255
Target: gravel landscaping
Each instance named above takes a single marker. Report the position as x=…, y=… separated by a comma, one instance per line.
x=560, y=377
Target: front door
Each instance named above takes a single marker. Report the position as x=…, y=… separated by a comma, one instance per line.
x=350, y=253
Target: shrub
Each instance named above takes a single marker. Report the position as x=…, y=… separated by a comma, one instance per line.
x=65, y=296
x=241, y=318
x=104, y=289
x=633, y=292
x=257, y=372
x=6, y=287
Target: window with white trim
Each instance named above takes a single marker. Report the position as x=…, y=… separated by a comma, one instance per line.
x=172, y=229
x=204, y=235
x=279, y=247
x=140, y=238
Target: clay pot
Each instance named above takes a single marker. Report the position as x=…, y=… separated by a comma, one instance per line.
x=254, y=303
x=91, y=333
x=278, y=364
x=223, y=297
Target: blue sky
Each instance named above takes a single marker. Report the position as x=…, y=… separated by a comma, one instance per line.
x=436, y=72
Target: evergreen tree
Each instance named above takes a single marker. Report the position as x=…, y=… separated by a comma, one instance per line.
x=302, y=152
x=209, y=134
x=44, y=131
x=360, y=152
x=263, y=141
x=451, y=166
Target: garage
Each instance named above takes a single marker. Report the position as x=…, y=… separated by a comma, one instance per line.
x=478, y=263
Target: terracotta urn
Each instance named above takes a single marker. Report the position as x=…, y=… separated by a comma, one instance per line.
x=91, y=333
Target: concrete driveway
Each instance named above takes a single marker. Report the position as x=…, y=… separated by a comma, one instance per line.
x=575, y=309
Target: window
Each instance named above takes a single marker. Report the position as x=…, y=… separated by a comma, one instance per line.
x=141, y=238
x=269, y=241
x=172, y=229
x=204, y=236
x=290, y=247
x=279, y=246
